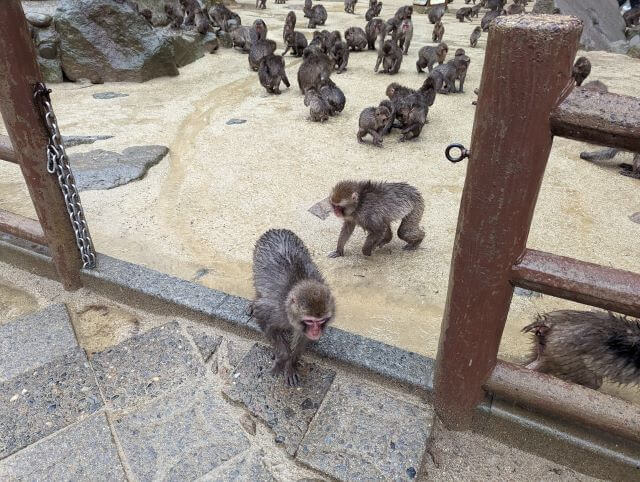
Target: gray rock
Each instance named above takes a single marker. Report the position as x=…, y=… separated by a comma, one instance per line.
x=35, y=340
x=249, y=467
x=210, y=43
x=526, y=293
x=248, y=424
x=207, y=344
x=47, y=43
x=187, y=45
x=287, y=411
x=602, y=22
x=619, y=47
x=635, y=217
x=234, y=121
x=634, y=52
x=181, y=436
x=146, y=366
x=72, y=141
x=106, y=41
x=83, y=451
x=224, y=39
x=363, y=429
x=40, y=20
x=321, y=209
x=100, y=169
x=634, y=41
x=51, y=70
x=108, y=95
x=39, y=402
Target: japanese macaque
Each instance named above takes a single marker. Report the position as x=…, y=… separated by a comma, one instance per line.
x=350, y=6
x=445, y=75
x=333, y=96
x=391, y=57
x=410, y=107
x=316, y=14
x=261, y=4
x=374, y=206
x=586, y=347
x=293, y=303
x=475, y=10
x=319, y=109
x=514, y=9
x=190, y=8
x=475, y=36
x=428, y=56
x=259, y=50
x=436, y=13
x=373, y=121
x=464, y=13
x=223, y=18
x=404, y=35
x=490, y=17
x=495, y=4
x=629, y=170
x=340, y=55
x=581, y=70
x=244, y=37
x=356, y=39
x=202, y=21
x=271, y=72
x=375, y=29
x=438, y=32
x=289, y=24
x=315, y=69
x=374, y=10
x=296, y=41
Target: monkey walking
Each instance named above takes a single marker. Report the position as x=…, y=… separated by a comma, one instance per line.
x=293, y=303
x=374, y=206
x=475, y=36
x=584, y=347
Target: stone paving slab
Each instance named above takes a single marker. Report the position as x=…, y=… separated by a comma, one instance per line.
x=181, y=436
x=146, y=366
x=363, y=432
x=287, y=411
x=207, y=344
x=248, y=467
x=34, y=340
x=39, y=402
x=83, y=451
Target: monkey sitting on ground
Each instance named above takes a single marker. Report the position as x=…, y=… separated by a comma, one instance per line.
x=350, y=6
x=356, y=39
x=315, y=69
x=223, y=18
x=296, y=41
x=436, y=13
x=462, y=13
x=259, y=50
x=333, y=96
x=316, y=14
x=405, y=34
x=375, y=29
x=289, y=24
x=585, y=347
x=373, y=121
x=438, y=32
x=319, y=109
x=243, y=37
x=514, y=9
x=475, y=36
x=428, y=56
x=374, y=10
x=271, y=72
x=390, y=55
x=374, y=206
x=261, y=4
x=445, y=75
x=581, y=70
x=293, y=303
x=340, y=55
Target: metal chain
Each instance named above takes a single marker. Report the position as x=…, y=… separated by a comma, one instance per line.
x=58, y=164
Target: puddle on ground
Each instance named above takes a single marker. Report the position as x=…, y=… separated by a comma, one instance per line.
x=15, y=302
x=99, y=327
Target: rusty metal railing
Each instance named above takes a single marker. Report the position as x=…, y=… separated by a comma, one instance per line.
x=19, y=74
x=525, y=99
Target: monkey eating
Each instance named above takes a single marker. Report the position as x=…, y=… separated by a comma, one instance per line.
x=586, y=347
x=374, y=206
x=293, y=303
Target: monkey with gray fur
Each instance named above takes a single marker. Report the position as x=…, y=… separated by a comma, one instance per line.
x=438, y=32
x=464, y=13
x=445, y=75
x=223, y=18
x=374, y=10
x=350, y=6
x=392, y=116
x=391, y=57
x=475, y=36
x=374, y=206
x=373, y=121
x=315, y=69
x=356, y=39
x=190, y=8
x=271, y=72
x=319, y=109
x=316, y=14
x=514, y=9
x=293, y=303
x=428, y=56
x=296, y=41
x=340, y=55
x=259, y=50
x=289, y=24
x=475, y=10
x=333, y=96
x=243, y=37
x=261, y=4
x=405, y=34
x=436, y=13
x=581, y=70
x=586, y=347
x=202, y=22
x=375, y=29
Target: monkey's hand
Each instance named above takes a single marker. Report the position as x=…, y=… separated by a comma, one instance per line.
x=336, y=254
x=291, y=377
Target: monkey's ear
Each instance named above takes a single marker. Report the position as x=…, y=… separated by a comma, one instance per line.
x=354, y=197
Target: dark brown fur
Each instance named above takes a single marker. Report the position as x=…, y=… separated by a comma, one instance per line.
x=315, y=69
x=438, y=32
x=289, y=288
x=581, y=70
x=586, y=347
x=271, y=72
x=375, y=28
x=374, y=206
x=373, y=121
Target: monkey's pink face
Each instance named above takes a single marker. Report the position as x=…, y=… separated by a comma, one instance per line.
x=314, y=327
x=338, y=210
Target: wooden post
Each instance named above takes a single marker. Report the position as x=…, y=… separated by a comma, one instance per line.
x=527, y=69
x=19, y=72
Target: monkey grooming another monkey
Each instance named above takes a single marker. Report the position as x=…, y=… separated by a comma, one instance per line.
x=581, y=70
x=585, y=347
x=271, y=72
x=438, y=32
x=475, y=36
x=390, y=55
x=428, y=56
x=293, y=303
x=315, y=69
x=243, y=37
x=373, y=121
x=223, y=18
x=319, y=109
x=374, y=206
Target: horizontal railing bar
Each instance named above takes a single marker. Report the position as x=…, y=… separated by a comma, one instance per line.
x=602, y=118
x=587, y=283
x=555, y=397
x=22, y=227
x=6, y=150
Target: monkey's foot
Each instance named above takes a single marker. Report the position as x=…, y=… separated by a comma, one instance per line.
x=335, y=254
x=412, y=246
x=291, y=377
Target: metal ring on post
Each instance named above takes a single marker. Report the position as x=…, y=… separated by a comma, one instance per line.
x=464, y=153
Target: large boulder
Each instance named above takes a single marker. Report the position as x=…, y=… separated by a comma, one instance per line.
x=603, y=23
x=106, y=41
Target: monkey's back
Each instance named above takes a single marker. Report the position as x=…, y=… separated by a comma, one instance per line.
x=605, y=344
x=389, y=200
x=281, y=259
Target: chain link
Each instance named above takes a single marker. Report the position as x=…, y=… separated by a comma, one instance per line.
x=58, y=164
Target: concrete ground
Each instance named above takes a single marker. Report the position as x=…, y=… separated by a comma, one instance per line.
x=94, y=390
x=197, y=214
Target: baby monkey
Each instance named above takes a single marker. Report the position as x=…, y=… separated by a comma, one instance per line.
x=293, y=303
x=373, y=121
x=374, y=206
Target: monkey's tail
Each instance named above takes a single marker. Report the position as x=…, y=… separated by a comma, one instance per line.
x=602, y=155
x=285, y=79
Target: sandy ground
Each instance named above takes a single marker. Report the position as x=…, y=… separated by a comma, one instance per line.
x=222, y=185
